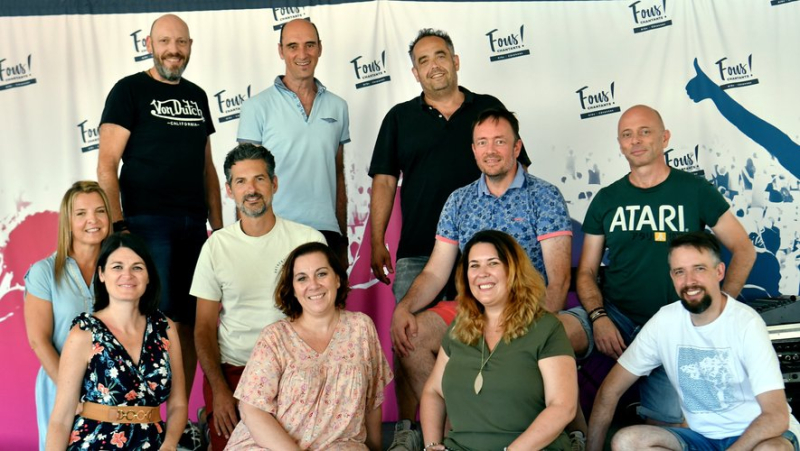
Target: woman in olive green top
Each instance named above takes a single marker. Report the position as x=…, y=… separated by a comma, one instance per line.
x=506, y=375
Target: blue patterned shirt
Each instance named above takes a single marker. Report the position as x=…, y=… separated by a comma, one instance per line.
x=531, y=210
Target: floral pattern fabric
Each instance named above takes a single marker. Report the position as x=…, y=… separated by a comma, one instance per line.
x=320, y=399
x=113, y=379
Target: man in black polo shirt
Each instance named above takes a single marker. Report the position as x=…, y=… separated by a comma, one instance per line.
x=428, y=139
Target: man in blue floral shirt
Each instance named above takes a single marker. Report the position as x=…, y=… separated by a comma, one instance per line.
x=504, y=198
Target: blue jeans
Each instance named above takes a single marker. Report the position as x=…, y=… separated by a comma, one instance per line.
x=693, y=441
x=175, y=243
x=659, y=400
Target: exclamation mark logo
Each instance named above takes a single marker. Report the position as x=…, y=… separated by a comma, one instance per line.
x=383, y=60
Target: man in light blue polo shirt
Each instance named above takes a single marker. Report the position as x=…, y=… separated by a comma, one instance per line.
x=305, y=126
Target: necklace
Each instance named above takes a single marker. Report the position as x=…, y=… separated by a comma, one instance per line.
x=479, y=378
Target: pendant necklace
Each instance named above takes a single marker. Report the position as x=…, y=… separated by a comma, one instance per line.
x=479, y=378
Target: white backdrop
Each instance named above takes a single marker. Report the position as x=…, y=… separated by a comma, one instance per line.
x=565, y=67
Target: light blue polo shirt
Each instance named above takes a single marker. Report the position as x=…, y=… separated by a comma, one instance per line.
x=304, y=148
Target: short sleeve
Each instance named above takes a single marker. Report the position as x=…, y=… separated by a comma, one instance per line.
x=207, y=114
x=262, y=375
x=39, y=280
x=381, y=374
x=759, y=359
x=345, y=138
x=447, y=340
x=385, y=154
x=593, y=222
x=249, y=123
x=120, y=106
x=713, y=205
x=553, y=213
x=642, y=355
x=447, y=227
x=556, y=342
x=204, y=282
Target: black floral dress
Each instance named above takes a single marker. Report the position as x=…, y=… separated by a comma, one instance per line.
x=112, y=379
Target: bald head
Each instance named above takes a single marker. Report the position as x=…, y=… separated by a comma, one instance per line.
x=170, y=21
x=171, y=46
x=642, y=137
x=641, y=110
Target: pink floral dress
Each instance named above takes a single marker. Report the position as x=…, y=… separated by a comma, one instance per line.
x=319, y=399
x=112, y=379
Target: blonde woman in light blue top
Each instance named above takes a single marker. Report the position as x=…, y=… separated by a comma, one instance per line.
x=59, y=288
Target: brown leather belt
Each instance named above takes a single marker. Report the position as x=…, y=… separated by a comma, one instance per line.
x=121, y=414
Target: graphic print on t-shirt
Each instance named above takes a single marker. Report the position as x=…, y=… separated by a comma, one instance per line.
x=183, y=112
x=707, y=379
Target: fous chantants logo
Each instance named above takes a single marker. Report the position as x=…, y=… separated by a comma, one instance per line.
x=16, y=74
x=597, y=103
x=283, y=15
x=505, y=45
x=733, y=74
x=90, y=136
x=649, y=15
x=686, y=160
x=370, y=72
x=230, y=104
x=140, y=46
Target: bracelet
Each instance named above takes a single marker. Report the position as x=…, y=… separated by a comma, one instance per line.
x=431, y=445
x=119, y=226
x=595, y=309
x=597, y=313
x=601, y=315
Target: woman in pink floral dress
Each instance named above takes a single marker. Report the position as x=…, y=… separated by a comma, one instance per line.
x=315, y=380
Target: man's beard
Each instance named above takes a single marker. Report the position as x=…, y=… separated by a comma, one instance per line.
x=698, y=307
x=170, y=75
x=256, y=212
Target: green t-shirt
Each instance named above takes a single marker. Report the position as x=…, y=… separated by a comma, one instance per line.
x=638, y=225
x=513, y=392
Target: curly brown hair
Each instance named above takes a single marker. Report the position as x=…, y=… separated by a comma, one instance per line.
x=285, y=298
x=526, y=291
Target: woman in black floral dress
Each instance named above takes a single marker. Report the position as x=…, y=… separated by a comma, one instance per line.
x=116, y=362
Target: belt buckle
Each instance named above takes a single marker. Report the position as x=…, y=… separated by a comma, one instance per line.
x=133, y=413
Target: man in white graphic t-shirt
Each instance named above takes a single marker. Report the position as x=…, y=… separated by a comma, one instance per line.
x=718, y=356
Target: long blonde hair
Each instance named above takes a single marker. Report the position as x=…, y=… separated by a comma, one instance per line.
x=65, y=219
x=526, y=291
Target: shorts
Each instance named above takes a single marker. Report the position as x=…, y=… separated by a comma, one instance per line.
x=174, y=243
x=694, y=441
x=405, y=271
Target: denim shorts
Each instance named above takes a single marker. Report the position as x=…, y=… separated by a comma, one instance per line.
x=175, y=243
x=405, y=271
x=694, y=441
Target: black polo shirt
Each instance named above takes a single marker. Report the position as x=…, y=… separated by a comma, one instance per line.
x=435, y=157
